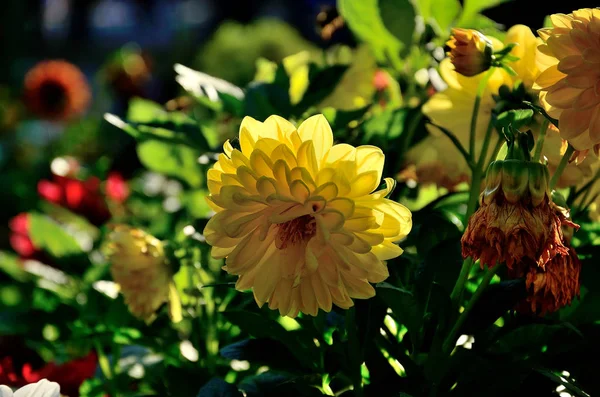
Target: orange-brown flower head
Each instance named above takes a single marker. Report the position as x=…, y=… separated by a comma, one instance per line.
x=570, y=83
x=553, y=287
x=517, y=221
x=56, y=90
x=470, y=51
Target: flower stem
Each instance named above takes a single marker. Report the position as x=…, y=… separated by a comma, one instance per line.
x=540, y=142
x=353, y=352
x=561, y=166
x=480, y=89
x=106, y=368
x=486, y=145
x=462, y=279
x=451, y=339
x=468, y=157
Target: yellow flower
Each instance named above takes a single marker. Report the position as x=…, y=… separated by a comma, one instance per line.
x=470, y=51
x=299, y=219
x=453, y=108
x=575, y=173
x=140, y=267
x=570, y=82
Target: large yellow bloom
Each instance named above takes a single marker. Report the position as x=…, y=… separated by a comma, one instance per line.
x=570, y=78
x=299, y=219
x=453, y=108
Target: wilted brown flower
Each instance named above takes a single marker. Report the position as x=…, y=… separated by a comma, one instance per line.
x=517, y=222
x=56, y=90
x=553, y=287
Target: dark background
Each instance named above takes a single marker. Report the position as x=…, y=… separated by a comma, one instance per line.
x=85, y=31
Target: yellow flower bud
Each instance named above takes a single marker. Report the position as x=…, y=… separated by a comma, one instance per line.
x=140, y=267
x=470, y=51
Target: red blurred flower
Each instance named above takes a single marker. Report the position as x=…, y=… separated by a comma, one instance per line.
x=56, y=90
x=19, y=237
x=116, y=187
x=81, y=197
x=69, y=375
x=381, y=80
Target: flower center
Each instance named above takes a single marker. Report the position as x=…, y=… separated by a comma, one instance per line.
x=53, y=96
x=295, y=231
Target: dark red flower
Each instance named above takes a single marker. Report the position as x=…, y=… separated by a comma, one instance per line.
x=81, y=197
x=71, y=374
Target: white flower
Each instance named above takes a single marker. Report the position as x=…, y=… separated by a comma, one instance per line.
x=43, y=388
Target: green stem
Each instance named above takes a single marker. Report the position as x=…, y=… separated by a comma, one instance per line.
x=451, y=339
x=480, y=89
x=410, y=133
x=474, y=192
x=486, y=145
x=106, y=368
x=540, y=142
x=462, y=280
x=353, y=352
x=497, y=147
x=561, y=166
x=459, y=146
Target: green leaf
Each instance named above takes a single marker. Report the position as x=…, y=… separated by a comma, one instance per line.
x=445, y=13
x=232, y=105
x=217, y=387
x=260, y=326
x=405, y=306
x=265, y=99
x=399, y=18
x=196, y=204
x=263, y=351
x=322, y=83
x=365, y=21
x=472, y=10
x=10, y=264
x=171, y=159
x=147, y=119
x=51, y=237
x=530, y=339
x=388, y=125
x=560, y=379
x=514, y=118
x=339, y=119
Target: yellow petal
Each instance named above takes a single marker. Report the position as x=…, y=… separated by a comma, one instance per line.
x=317, y=129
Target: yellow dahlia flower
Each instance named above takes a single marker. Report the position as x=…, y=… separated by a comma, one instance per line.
x=140, y=267
x=575, y=173
x=570, y=83
x=453, y=108
x=299, y=219
x=470, y=51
